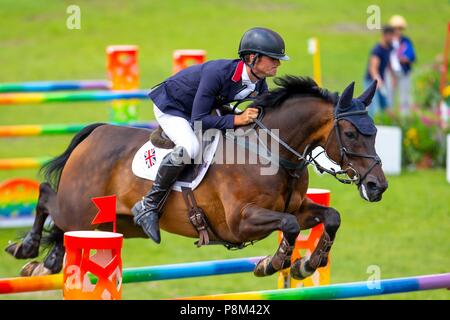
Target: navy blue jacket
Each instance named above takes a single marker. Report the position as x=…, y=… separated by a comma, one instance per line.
x=383, y=53
x=193, y=92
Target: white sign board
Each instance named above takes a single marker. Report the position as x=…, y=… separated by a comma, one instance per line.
x=388, y=145
x=448, y=158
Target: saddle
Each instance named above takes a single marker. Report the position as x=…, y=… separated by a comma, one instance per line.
x=160, y=139
x=196, y=215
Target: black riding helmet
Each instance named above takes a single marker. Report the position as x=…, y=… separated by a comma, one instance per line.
x=263, y=41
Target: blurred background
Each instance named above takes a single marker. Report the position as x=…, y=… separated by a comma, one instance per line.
x=405, y=234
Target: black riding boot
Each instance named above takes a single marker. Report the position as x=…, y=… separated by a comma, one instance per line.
x=147, y=211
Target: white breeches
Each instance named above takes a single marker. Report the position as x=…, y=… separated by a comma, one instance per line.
x=179, y=131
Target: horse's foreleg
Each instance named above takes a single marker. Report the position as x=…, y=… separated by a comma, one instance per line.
x=257, y=223
x=314, y=214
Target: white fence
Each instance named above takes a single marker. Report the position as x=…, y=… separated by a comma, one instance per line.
x=448, y=158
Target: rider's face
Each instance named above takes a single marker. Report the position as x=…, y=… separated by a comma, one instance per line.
x=266, y=66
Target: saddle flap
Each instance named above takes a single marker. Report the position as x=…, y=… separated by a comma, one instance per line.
x=147, y=160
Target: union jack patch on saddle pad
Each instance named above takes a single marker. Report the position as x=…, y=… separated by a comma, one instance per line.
x=150, y=157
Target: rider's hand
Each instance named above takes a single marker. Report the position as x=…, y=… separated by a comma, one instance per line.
x=248, y=116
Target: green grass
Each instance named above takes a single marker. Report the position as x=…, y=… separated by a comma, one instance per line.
x=405, y=234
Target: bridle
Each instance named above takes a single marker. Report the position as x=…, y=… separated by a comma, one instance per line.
x=357, y=178
x=306, y=158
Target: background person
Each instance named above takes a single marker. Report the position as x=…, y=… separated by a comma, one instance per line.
x=377, y=66
x=402, y=58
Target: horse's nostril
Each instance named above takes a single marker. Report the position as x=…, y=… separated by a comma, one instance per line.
x=372, y=186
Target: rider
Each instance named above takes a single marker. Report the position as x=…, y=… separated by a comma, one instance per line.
x=191, y=94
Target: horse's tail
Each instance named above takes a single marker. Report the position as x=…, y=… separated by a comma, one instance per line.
x=52, y=170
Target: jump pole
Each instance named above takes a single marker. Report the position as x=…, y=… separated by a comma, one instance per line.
x=23, y=163
x=143, y=274
x=341, y=291
x=40, y=86
x=50, y=129
x=35, y=98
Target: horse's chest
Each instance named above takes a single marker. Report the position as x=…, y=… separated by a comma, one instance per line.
x=295, y=202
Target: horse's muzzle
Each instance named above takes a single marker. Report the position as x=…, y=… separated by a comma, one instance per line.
x=371, y=189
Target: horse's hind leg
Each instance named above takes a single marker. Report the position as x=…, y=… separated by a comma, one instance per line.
x=28, y=247
x=53, y=261
x=311, y=214
x=258, y=222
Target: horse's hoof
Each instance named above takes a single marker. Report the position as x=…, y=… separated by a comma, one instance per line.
x=19, y=251
x=34, y=268
x=28, y=248
x=27, y=270
x=300, y=269
x=13, y=249
x=264, y=267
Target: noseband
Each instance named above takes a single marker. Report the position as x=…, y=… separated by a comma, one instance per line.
x=357, y=178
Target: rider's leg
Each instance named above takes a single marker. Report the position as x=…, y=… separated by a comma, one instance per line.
x=147, y=211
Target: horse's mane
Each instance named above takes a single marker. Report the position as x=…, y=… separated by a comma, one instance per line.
x=289, y=86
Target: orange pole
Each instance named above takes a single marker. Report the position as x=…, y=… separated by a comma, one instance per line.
x=444, y=67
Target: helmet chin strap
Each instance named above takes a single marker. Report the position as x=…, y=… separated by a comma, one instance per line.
x=252, y=64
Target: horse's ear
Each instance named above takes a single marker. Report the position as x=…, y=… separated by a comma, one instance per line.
x=345, y=101
x=367, y=95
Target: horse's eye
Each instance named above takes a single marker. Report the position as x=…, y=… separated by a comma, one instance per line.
x=350, y=135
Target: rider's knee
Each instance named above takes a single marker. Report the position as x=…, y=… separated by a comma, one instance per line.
x=185, y=153
x=193, y=148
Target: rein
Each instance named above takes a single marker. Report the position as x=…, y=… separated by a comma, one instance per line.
x=307, y=159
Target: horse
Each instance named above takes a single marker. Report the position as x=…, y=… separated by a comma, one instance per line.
x=240, y=204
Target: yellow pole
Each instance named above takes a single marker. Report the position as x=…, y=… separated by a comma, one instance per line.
x=314, y=50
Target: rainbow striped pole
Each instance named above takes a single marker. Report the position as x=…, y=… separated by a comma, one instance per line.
x=131, y=275
x=39, y=86
x=23, y=163
x=27, y=98
x=341, y=291
x=190, y=270
x=48, y=129
x=28, y=284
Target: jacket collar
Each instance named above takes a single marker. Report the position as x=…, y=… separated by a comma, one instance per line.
x=237, y=75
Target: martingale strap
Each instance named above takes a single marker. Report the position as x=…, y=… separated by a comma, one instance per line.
x=199, y=221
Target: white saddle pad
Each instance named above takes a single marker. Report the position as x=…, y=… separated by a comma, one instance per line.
x=148, y=159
